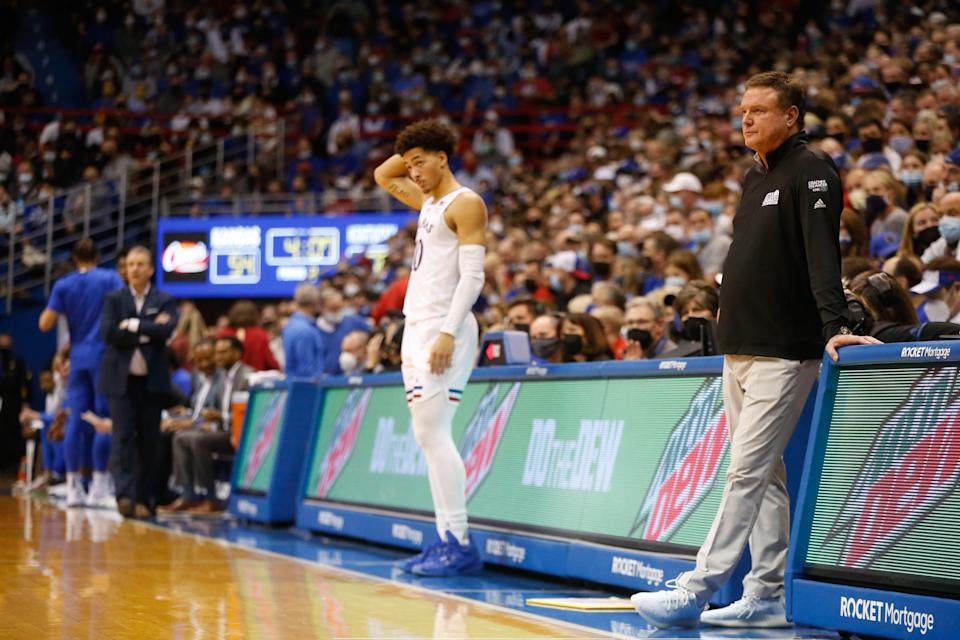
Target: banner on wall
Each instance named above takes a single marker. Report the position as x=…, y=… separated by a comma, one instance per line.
x=635, y=461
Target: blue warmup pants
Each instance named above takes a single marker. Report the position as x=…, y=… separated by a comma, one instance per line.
x=52, y=451
x=83, y=446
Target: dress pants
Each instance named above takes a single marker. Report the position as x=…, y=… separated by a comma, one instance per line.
x=193, y=451
x=763, y=399
x=136, y=428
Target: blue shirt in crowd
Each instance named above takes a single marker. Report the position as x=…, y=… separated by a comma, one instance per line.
x=303, y=347
x=79, y=297
x=333, y=339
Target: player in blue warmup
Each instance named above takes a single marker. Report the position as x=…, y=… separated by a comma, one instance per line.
x=79, y=297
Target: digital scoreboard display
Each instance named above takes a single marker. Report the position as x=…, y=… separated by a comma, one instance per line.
x=264, y=256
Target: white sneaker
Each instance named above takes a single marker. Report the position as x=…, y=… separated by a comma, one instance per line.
x=57, y=491
x=101, y=501
x=676, y=607
x=767, y=613
x=76, y=496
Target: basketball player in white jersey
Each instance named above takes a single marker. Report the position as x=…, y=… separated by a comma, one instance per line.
x=440, y=336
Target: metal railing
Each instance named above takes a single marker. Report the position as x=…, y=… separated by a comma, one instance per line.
x=115, y=211
x=277, y=204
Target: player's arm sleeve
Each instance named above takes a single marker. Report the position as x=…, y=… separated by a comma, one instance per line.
x=819, y=204
x=469, y=214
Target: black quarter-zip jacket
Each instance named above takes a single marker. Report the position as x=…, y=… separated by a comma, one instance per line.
x=781, y=294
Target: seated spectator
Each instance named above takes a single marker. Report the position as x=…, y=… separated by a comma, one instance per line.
x=696, y=306
x=521, y=312
x=191, y=330
x=888, y=314
x=881, y=210
x=603, y=258
x=205, y=390
x=854, y=239
x=384, y=353
x=568, y=277
x=949, y=228
x=906, y=270
x=545, y=343
x=657, y=247
x=353, y=353
x=334, y=324
x=710, y=247
x=921, y=230
x=303, y=344
x=244, y=323
x=611, y=317
x=853, y=266
x=646, y=316
x=682, y=267
x=584, y=339
x=940, y=288
x=193, y=448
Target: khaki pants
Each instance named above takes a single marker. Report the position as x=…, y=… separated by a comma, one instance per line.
x=763, y=398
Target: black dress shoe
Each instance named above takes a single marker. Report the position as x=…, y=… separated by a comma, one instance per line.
x=125, y=507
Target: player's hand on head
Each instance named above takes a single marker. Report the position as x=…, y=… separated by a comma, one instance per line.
x=441, y=353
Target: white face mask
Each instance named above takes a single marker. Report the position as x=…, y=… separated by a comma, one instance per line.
x=333, y=318
x=348, y=363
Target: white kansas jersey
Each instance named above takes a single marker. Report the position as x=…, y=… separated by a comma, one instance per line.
x=435, y=269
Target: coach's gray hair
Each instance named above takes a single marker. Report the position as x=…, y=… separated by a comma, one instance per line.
x=306, y=294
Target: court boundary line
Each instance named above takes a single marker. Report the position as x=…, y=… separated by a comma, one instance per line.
x=350, y=572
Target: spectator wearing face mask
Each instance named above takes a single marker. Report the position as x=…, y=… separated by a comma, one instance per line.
x=645, y=330
x=683, y=191
x=603, y=257
x=881, y=210
x=583, y=339
x=696, y=306
x=682, y=267
x=335, y=322
x=568, y=277
x=921, y=230
x=949, y=229
x=521, y=312
x=353, y=353
x=545, y=342
x=870, y=134
x=940, y=287
x=709, y=246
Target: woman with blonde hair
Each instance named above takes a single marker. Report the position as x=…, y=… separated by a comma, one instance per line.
x=191, y=329
x=883, y=214
x=921, y=229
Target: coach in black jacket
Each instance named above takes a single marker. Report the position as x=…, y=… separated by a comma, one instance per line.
x=135, y=376
x=781, y=303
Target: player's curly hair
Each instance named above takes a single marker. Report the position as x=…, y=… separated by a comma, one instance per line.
x=430, y=135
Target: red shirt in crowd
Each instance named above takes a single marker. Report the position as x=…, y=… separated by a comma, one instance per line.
x=256, y=347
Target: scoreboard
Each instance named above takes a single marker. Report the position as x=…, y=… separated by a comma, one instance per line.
x=265, y=256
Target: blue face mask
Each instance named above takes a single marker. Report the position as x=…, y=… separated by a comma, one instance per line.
x=912, y=178
x=714, y=207
x=950, y=229
x=901, y=144
x=840, y=160
x=700, y=236
x=555, y=282
x=674, y=281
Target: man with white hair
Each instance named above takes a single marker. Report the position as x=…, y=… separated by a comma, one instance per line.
x=302, y=341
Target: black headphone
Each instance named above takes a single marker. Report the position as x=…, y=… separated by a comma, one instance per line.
x=857, y=313
x=881, y=282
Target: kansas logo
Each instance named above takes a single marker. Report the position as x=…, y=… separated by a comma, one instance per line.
x=912, y=466
x=345, y=431
x=480, y=440
x=688, y=467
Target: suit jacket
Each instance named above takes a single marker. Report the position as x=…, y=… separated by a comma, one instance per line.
x=151, y=338
x=239, y=382
x=212, y=401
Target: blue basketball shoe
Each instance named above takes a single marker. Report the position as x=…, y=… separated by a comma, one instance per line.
x=428, y=552
x=451, y=559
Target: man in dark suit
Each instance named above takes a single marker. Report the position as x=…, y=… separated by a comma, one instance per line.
x=193, y=449
x=136, y=323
